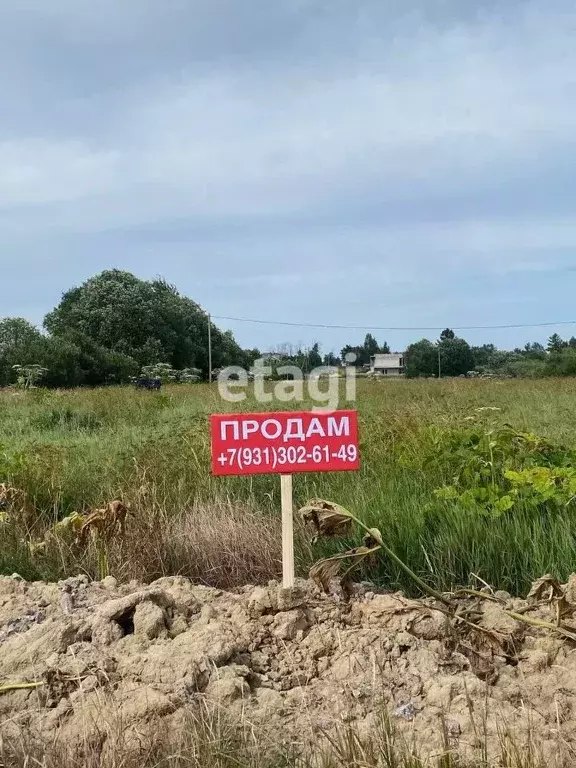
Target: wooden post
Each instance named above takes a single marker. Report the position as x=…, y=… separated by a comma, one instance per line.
x=287, y=532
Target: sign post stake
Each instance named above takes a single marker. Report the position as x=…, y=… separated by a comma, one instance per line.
x=287, y=532
x=283, y=443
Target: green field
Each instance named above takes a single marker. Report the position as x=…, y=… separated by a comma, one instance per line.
x=72, y=450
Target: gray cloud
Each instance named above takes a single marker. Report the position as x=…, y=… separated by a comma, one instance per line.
x=259, y=154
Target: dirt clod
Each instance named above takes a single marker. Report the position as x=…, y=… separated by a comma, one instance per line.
x=135, y=654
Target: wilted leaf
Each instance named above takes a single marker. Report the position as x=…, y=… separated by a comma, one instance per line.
x=37, y=548
x=73, y=522
x=327, y=518
x=548, y=588
x=10, y=496
x=64, y=529
x=561, y=630
x=104, y=524
x=100, y=524
x=545, y=588
x=325, y=570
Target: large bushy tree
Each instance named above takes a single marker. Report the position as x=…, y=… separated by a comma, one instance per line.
x=456, y=356
x=452, y=356
x=147, y=321
x=421, y=359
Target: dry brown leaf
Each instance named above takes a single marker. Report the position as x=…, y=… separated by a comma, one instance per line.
x=325, y=570
x=545, y=588
x=104, y=523
x=549, y=589
x=327, y=518
x=10, y=499
x=10, y=495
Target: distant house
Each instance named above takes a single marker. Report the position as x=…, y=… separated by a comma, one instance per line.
x=388, y=365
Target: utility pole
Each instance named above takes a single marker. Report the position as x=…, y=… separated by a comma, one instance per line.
x=439, y=363
x=209, y=348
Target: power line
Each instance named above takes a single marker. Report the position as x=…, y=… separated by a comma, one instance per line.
x=390, y=328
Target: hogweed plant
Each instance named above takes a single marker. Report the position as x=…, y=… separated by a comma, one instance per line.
x=28, y=376
x=330, y=519
x=99, y=527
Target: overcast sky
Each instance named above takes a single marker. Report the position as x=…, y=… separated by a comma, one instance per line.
x=361, y=162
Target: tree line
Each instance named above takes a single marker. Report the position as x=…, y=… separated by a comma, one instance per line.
x=109, y=329
x=115, y=326
x=453, y=356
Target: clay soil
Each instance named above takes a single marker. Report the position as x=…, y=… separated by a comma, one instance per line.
x=292, y=663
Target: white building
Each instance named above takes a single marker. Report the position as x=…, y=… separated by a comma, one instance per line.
x=388, y=365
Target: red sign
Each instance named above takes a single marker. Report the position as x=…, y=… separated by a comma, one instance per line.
x=284, y=442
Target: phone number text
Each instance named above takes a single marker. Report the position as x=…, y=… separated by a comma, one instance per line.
x=292, y=455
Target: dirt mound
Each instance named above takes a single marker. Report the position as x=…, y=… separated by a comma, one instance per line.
x=109, y=656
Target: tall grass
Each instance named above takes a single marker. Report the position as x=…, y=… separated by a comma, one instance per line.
x=75, y=450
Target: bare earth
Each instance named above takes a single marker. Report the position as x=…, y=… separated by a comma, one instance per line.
x=115, y=656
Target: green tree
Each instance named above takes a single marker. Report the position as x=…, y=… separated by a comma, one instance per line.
x=370, y=347
x=525, y=368
x=314, y=356
x=78, y=360
x=562, y=363
x=20, y=344
x=331, y=359
x=63, y=360
x=147, y=321
x=556, y=343
x=507, y=362
x=367, y=350
x=447, y=333
x=350, y=350
x=484, y=356
x=421, y=359
x=250, y=356
x=534, y=351
x=456, y=356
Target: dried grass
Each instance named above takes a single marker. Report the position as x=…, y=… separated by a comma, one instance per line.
x=223, y=545
x=206, y=738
